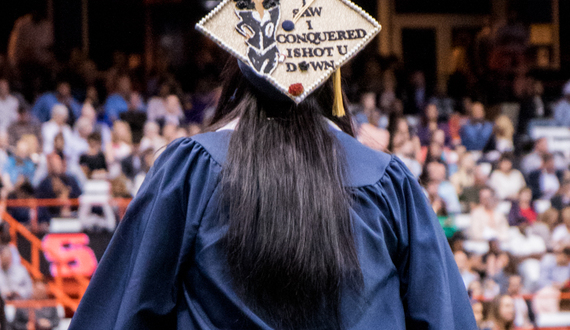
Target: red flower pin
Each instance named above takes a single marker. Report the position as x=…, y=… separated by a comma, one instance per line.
x=296, y=89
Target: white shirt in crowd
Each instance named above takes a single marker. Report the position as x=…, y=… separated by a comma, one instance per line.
x=8, y=111
x=507, y=185
x=549, y=185
x=49, y=130
x=560, y=236
x=15, y=279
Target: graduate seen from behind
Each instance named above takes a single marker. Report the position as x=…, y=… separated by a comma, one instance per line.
x=277, y=217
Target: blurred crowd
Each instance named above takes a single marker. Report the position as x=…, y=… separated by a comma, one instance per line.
x=501, y=193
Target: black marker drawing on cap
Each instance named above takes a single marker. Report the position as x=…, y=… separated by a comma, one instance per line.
x=259, y=26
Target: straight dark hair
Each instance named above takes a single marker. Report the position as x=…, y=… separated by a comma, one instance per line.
x=290, y=244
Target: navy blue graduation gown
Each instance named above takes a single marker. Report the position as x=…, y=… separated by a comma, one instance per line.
x=164, y=268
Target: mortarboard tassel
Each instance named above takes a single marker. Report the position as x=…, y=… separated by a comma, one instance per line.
x=338, y=105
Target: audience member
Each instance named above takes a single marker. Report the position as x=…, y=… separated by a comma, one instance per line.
x=165, y=107
x=15, y=282
x=476, y=132
x=502, y=313
x=120, y=147
x=57, y=124
x=429, y=125
x=545, y=182
x=58, y=185
x=523, y=310
x=407, y=154
x=470, y=196
x=94, y=159
x=26, y=124
x=19, y=167
x=555, y=269
x=502, y=139
x=522, y=210
x=435, y=173
x=152, y=139
x=562, y=109
x=533, y=161
x=487, y=222
x=120, y=100
x=465, y=175
x=505, y=180
x=561, y=199
x=46, y=318
x=9, y=105
x=561, y=233
x=465, y=268
x=42, y=109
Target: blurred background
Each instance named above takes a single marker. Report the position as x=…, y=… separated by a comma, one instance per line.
x=474, y=96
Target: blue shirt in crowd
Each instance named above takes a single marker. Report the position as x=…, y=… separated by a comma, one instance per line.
x=475, y=135
x=26, y=168
x=43, y=105
x=562, y=113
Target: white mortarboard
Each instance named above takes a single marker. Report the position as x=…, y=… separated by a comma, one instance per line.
x=295, y=45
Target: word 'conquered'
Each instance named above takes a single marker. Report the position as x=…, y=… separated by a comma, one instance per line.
x=317, y=38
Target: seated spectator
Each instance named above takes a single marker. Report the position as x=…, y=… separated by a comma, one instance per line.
x=94, y=159
x=22, y=214
x=562, y=109
x=561, y=199
x=15, y=282
x=407, y=155
x=26, y=124
x=9, y=105
x=58, y=185
x=435, y=173
x=120, y=147
x=476, y=132
x=57, y=124
x=487, y=222
x=79, y=144
x=524, y=316
x=522, y=210
x=502, y=139
x=533, y=161
x=545, y=224
x=505, y=180
x=501, y=314
x=19, y=167
x=120, y=101
x=465, y=268
x=135, y=117
x=437, y=203
x=429, y=125
x=169, y=132
x=524, y=244
x=465, y=175
x=561, y=233
x=555, y=269
x=477, y=307
x=89, y=112
x=545, y=182
x=42, y=109
x=46, y=318
x=165, y=108
x=152, y=139
x=470, y=196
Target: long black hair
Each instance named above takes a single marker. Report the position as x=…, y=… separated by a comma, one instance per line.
x=290, y=245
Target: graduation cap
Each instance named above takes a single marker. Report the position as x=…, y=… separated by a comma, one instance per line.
x=291, y=47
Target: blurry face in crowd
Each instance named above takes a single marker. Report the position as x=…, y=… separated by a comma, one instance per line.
x=478, y=111
x=431, y=112
x=505, y=166
x=5, y=258
x=432, y=188
x=525, y=196
x=477, y=311
x=549, y=165
x=435, y=150
x=515, y=285
x=562, y=259
x=124, y=85
x=40, y=291
x=151, y=129
x=467, y=163
x=566, y=216
x=542, y=146
x=486, y=198
x=476, y=289
x=172, y=104
x=507, y=309
x=22, y=149
x=438, y=137
x=88, y=111
x=55, y=165
x=4, y=88
x=461, y=260
x=368, y=101
x=436, y=171
x=63, y=89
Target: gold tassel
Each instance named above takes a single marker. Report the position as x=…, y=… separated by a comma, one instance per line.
x=338, y=105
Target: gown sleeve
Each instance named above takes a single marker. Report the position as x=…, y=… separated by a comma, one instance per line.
x=137, y=283
x=432, y=291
